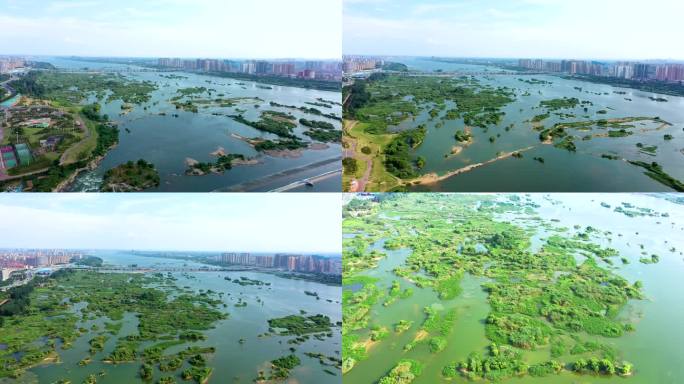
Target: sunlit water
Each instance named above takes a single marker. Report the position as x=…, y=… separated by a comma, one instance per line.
x=583, y=170
x=167, y=141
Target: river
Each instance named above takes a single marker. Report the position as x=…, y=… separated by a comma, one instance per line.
x=562, y=171
x=233, y=362
x=167, y=141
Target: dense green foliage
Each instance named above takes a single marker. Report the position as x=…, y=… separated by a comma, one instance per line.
x=47, y=315
x=656, y=172
x=130, y=177
x=397, y=153
x=541, y=300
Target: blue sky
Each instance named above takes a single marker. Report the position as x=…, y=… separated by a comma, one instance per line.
x=258, y=222
x=603, y=29
x=185, y=28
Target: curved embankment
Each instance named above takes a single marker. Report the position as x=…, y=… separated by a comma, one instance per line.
x=432, y=178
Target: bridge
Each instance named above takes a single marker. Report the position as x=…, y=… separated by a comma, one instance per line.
x=107, y=70
x=467, y=74
x=159, y=269
x=308, y=181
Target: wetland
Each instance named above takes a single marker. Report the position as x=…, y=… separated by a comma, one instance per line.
x=426, y=130
x=103, y=326
x=513, y=288
x=173, y=120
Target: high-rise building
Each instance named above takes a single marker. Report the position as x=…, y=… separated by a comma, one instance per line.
x=263, y=67
x=290, y=262
x=641, y=71
x=249, y=67
x=670, y=72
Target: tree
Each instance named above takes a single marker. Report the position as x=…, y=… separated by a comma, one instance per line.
x=420, y=162
x=625, y=369
x=580, y=365
x=350, y=166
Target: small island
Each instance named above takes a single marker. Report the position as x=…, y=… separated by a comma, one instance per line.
x=130, y=177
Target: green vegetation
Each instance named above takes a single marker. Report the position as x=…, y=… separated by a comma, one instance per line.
x=43, y=310
x=397, y=153
x=350, y=165
x=654, y=259
x=397, y=67
x=268, y=123
x=130, y=177
x=619, y=133
x=655, y=172
x=73, y=88
x=223, y=163
x=542, y=117
x=649, y=150
x=384, y=101
x=462, y=136
x=279, y=145
x=404, y=372
x=311, y=111
x=324, y=135
x=300, y=325
x=402, y=326
x=322, y=85
x=665, y=88
x=316, y=124
x=89, y=261
x=281, y=367
x=541, y=299
x=556, y=104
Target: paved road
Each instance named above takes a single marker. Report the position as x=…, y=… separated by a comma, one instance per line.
x=312, y=180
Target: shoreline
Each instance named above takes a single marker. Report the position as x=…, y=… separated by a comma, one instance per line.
x=432, y=178
x=92, y=165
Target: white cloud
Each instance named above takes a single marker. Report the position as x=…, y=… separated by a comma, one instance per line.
x=198, y=28
x=263, y=222
x=609, y=29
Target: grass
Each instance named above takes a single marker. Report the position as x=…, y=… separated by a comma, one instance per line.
x=380, y=179
x=87, y=146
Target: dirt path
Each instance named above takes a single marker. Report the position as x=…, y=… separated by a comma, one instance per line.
x=357, y=185
x=432, y=178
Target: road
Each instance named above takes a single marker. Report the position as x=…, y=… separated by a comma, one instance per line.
x=311, y=180
x=6, y=86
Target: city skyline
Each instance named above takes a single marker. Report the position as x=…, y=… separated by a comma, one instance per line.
x=500, y=29
x=183, y=28
x=268, y=223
